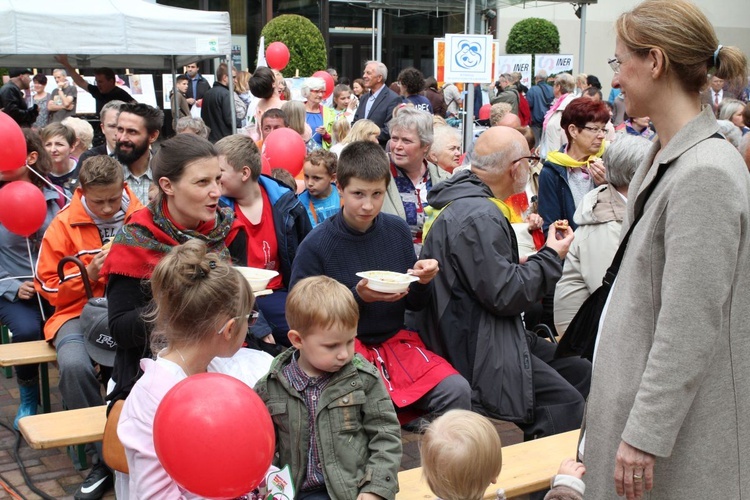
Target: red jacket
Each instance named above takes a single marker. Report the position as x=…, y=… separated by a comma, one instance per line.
x=71, y=232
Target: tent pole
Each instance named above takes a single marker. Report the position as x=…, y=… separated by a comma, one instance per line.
x=173, y=99
x=230, y=68
x=582, y=38
x=469, y=89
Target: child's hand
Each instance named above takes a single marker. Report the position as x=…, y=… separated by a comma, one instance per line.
x=570, y=467
x=95, y=266
x=368, y=295
x=368, y=496
x=425, y=270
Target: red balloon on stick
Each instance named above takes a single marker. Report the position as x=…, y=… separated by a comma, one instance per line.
x=12, y=144
x=23, y=208
x=329, y=82
x=213, y=435
x=284, y=148
x=277, y=55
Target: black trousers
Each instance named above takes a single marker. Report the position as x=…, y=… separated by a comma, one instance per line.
x=560, y=390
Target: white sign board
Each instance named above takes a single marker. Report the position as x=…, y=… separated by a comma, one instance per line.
x=516, y=63
x=468, y=58
x=553, y=63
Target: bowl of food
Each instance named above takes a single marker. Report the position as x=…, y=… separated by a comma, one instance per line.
x=258, y=278
x=388, y=281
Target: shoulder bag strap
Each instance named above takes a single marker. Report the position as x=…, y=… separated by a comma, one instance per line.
x=611, y=274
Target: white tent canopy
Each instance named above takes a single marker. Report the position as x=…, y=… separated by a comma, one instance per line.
x=114, y=33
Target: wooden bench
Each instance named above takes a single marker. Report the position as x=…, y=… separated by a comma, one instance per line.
x=527, y=467
x=65, y=428
x=28, y=353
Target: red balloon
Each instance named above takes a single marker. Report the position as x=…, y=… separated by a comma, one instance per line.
x=12, y=144
x=213, y=435
x=265, y=165
x=484, y=112
x=23, y=208
x=329, y=82
x=277, y=55
x=284, y=148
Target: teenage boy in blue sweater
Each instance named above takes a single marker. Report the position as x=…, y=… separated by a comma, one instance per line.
x=360, y=238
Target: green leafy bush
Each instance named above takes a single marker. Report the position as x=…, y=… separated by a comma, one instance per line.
x=533, y=36
x=307, y=49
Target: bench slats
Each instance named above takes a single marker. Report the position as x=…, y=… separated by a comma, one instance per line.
x=527, y=467
x=26, y=353
x=64, y=428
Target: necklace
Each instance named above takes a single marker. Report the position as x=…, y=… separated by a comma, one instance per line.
x=184, y=363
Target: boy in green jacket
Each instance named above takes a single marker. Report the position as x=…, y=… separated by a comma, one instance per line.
x=335, y=423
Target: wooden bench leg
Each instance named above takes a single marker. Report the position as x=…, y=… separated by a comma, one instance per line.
x=45, y=387
x=5, y=338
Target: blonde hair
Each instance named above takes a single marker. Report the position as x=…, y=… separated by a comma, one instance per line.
x=295, y=115
x=461, y=455
x=685, y=37
x=83, y=130
x=340, y=129
x=498, y=111
x=243, y=79
x=361, y=131
x=195, y=292
x=320, y=301
x=439, y=121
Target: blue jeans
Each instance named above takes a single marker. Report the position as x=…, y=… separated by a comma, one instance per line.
x=273, y=308
x=23, y=318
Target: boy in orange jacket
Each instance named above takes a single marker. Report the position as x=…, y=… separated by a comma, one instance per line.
x=101, y=205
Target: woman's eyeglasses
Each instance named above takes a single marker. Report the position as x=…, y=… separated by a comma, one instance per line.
x=595, y=130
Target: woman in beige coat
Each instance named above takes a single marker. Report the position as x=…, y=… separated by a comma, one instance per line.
x=669, y=407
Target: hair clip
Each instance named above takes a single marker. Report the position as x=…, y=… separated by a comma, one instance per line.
x=212, y=264
x=199, y=274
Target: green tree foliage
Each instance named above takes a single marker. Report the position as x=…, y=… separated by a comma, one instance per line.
x=533, y=36
x=306, y=46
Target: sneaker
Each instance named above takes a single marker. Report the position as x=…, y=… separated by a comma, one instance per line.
x=96, y=484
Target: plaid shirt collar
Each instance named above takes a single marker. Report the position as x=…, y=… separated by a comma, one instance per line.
x=301, y=380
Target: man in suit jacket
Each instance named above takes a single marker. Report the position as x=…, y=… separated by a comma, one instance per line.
x=714, y=94
x=378, y=103
x=108, y=123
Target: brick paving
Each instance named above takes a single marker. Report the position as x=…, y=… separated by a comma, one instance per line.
x=52, y=471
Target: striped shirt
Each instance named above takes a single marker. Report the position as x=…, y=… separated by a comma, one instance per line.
x=310, y=388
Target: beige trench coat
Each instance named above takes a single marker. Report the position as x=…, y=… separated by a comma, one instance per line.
x=672, y=370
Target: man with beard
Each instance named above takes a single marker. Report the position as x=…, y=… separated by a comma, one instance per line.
x=138, y=128
x=474, y=318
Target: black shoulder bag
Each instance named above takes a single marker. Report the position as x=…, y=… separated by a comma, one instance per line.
x=580, y=337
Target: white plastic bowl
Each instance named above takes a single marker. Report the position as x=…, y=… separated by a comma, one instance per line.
x=387, y=281
x=258, y=278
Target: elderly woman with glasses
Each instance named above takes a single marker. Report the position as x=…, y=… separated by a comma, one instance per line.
x=413, y=176
x=574, y=170
x=319, y=117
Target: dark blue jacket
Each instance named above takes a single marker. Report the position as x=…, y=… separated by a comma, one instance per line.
x=540, y=97
x=289, y=218
x=555, y=197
